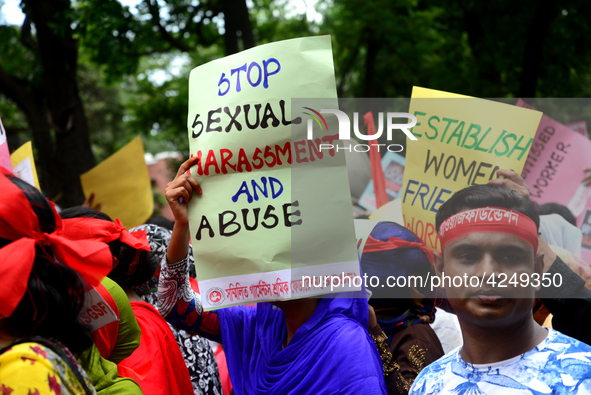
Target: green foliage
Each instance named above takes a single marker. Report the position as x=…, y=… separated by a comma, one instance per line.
x=382, y=48
x=109, y=35
x=114, y=37
x=133, y=66
x=104, y=111
x=16, y=59
x=159, y=111
x=277, y=20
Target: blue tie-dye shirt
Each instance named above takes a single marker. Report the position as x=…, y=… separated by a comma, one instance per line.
x=558, y=365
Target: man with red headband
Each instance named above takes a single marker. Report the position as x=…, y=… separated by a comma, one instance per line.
x=490, y=272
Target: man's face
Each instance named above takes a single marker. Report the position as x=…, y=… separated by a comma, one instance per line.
x=475, y=258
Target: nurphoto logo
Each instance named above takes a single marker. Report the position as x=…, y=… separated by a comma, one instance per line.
x=345, y=129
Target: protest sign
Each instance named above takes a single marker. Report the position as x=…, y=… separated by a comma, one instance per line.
x=554, y=170
x=4, y=153
x=579, y=127
x=554, y=166
x=393, y=166
x=122, y=185
x=461, y=141
x=391, y=211
x=273, y=208
x=23, y=164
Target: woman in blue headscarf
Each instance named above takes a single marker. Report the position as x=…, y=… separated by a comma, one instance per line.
x=400, y=316
x=305, y=346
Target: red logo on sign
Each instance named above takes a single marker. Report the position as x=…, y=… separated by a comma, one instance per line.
x=215, y=296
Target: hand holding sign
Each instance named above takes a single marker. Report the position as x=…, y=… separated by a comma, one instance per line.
x=513, y=181
x=183, y=186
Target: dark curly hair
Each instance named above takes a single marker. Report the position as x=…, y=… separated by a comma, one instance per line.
x=55, y=293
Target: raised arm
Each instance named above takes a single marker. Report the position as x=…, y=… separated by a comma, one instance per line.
x=177, y=302
x=183, y=187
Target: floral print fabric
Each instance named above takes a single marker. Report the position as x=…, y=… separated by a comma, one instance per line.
x=34, y=369
x=558, y=365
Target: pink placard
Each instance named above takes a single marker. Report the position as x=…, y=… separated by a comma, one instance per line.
x=579, y=127
x=4, y=153
x=554, y=170
x=554, y=167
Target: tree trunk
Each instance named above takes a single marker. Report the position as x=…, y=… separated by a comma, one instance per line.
x=370, y=61
x=59, y=58
x=30, y=101
x=237, y=26
x=533, y=52
x=47, y=168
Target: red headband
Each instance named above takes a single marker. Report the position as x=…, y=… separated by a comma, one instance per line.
x=489, y=220
x=373, y=245
x=105, y=231
x=19, y=223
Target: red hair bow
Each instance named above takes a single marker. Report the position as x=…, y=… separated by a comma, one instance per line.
x=19, y=223
x=373, y=245
x=105, y=231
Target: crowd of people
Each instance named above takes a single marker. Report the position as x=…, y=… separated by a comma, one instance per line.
x=89, y=307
